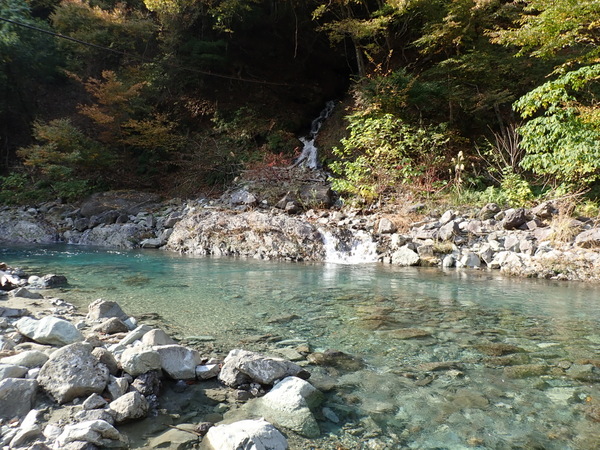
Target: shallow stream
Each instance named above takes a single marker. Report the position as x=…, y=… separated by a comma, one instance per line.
x=456, y=359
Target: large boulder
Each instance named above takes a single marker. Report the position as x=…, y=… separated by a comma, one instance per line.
x=245, y=434
x=252, y=233
x=72, y=372
x=17, y=396
x=130, y=406
x=288, y=405
x=179, y=362
x=589, y=238
x=242, y=366
x=49, y=330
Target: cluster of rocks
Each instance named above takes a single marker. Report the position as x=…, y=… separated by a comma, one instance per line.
x=69, y=381
x=537, y=242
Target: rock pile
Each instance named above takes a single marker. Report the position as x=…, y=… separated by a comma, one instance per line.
x=71, y=382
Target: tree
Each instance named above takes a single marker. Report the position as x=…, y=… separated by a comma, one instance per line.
x=28, y=62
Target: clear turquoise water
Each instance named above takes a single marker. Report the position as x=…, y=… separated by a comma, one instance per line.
x=546, y=395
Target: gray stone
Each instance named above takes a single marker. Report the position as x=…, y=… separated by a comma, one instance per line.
x=178, y=361
x=589, y=238
x=49, y=330
x=12, y=371
x=241, y=366
x=157, y=336
x=106, y=358
x=116, y=387
x=447, y=217
x=130, y=406
x=97, y=432
x=29, y=359
x=207, y=371
x=111, y=325
x=94, y=414
x=404, y=256
x=138, y=360
x=514, y=218
x=448, y=231
x=25, y=293
x=17, y=396
x=72, y=372
x=94, y=401
x=385, y=226
x=12, y=312
x=489, y=211
x=470, y=260
x=245, y=434
x=101, y=309
x=288, y=405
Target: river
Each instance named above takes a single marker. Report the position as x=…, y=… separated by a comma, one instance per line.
x=452, y=359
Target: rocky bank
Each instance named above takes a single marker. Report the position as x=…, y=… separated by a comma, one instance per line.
x=536, y=242
x=74, y=381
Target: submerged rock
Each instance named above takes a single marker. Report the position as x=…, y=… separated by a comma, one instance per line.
x=288, y=405
x=242, y=366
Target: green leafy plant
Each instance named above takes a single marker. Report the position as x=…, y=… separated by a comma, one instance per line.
x=383, y=152
x=562, y=137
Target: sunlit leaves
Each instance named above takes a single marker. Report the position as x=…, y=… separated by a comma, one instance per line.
x=550, y=27
x=562, y=139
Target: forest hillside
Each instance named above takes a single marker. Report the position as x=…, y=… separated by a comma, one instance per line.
x=469, y=100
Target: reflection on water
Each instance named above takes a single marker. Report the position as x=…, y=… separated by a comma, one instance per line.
x=454, y=359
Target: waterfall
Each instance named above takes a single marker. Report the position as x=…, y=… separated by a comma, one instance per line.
x=349, y=247
x=308, y=157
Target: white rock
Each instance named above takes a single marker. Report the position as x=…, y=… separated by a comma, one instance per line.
x=207, y=371
x=245, y=434
x=288, y=405
x=49, y=330
x=404, y=256
x=29, y=358
x=17, y=396
x=97, y=432
x=157, y=337
x=12, y=371
x=178, y=362
x=130, y=406
x=138, y=360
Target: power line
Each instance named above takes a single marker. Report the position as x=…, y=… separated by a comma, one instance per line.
x=138, y=57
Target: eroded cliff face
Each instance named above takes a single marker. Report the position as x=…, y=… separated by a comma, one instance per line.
x=252, y=234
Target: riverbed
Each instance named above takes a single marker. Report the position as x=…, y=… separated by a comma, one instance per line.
x=443, y=359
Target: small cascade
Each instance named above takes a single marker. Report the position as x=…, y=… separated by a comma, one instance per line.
x=308, y=157
x=349, y=247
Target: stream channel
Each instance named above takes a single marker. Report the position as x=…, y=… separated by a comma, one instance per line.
x=452, y=359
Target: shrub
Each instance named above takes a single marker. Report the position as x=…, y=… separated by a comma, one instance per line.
x=383, y=152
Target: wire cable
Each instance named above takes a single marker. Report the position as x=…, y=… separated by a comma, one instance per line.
x=138, y=57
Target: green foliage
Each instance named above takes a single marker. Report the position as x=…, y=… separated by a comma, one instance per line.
x=516, y=190
x=383, y=152
x=563, y=143
x=65, y=163
x=548, y=27
x=118, y=28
